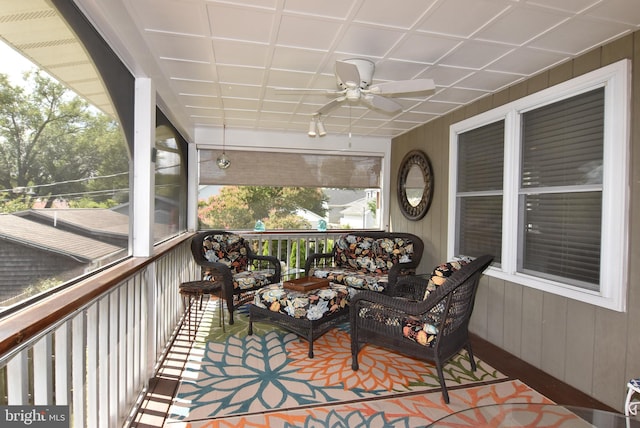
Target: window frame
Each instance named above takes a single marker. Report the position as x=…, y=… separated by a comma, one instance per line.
x=615, y=78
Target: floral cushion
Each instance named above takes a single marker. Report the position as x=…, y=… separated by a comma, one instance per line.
x=250, y=279
x=226, y=248
x=442, y=272
x=423, y=330
x=311, y=305
x=356, y=279
x=229, y=249
x=364, y=262
x=369, y=254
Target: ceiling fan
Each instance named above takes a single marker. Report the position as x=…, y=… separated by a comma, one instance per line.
x=354, y=77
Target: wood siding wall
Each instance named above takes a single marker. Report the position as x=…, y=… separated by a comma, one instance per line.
x=16, y=274
x=593, y=349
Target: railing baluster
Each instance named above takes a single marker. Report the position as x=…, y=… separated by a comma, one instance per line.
x=92, y=366
x=18, y=379
x=114, y=345
x=42, y=371
x=62, y=352
x=78, y=369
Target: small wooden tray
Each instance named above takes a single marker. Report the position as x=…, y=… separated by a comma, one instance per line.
x=305, y=284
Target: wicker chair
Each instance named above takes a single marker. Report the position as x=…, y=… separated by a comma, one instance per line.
x=444, y=314
x=226, y=255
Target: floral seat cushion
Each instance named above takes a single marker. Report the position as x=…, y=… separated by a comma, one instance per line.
x=311, y=305
x=364, y=262
x=251, y=279
x=356, y=279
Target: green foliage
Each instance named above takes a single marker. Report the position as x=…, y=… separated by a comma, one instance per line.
x=372, y=205
x=238, y=207
x=13, y=204
x=90, y=203
x=40, y=286
x=54, y=143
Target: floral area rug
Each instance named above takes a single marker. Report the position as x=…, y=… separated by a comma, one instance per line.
x=267, y=379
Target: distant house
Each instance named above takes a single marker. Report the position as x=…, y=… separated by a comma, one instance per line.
x=357, y=215
x=39, y=245
x=312, y=218
x=104, y=224
x=338, y=200
x=349, y=209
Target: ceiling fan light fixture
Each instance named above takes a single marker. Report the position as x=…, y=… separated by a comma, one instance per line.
x=312, y=128
x=321, y=129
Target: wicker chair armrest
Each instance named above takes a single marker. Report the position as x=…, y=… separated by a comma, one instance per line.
x=408, y=286
x=399, y=304
x=315, y=257
x=222, y=269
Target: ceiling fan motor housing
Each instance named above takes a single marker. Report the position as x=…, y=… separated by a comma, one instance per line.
x=365, y=69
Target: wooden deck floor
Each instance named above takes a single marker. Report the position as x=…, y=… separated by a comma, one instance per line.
x=163, y=387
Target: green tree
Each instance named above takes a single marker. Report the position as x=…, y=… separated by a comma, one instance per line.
x=52, y=143
x=239, y=207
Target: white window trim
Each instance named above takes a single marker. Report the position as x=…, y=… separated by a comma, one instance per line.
x=615, y=78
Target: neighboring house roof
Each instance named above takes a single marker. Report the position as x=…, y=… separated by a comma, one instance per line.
x=43, y=237
x=355, y=208
x=95, y=220
x=308, y=215
x=338, y=199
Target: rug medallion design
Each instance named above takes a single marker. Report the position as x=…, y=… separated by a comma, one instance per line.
x=267, y=379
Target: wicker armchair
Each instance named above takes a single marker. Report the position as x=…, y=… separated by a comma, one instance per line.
x=440, y=317
x=227, y=257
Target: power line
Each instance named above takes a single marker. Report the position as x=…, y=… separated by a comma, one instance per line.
x=78, y=180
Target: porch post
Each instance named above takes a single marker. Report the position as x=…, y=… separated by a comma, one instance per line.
x=193, y=174
x=143, y=206
x=142, y=201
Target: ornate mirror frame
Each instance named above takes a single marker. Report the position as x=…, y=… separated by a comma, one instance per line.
x=410, y=208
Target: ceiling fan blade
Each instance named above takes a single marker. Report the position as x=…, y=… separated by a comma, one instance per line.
x=402, y=87
x=330, y=106
x=381, y=103
x=348, y=73
x=298, y=91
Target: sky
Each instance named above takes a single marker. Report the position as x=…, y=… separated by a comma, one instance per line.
x=12, y=63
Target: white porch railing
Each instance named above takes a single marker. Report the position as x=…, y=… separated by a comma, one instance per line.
x=98, y=359
x=291, y=248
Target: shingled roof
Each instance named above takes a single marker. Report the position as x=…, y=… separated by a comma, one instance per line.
x=43, y=237
x=102, y=221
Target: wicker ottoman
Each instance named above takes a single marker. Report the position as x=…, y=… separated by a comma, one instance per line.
x=308, y=314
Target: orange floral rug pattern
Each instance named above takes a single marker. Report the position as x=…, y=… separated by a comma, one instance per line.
x=267, y=379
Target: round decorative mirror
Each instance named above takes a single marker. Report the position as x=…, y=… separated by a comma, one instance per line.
x=415, y=185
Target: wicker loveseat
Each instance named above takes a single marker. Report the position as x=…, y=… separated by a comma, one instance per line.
x=371, y=260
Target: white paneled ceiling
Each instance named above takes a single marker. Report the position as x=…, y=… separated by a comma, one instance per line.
x=218, y=62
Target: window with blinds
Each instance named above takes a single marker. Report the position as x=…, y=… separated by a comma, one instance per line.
x=542, y=183
x=561, y=189
x=480, y=177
